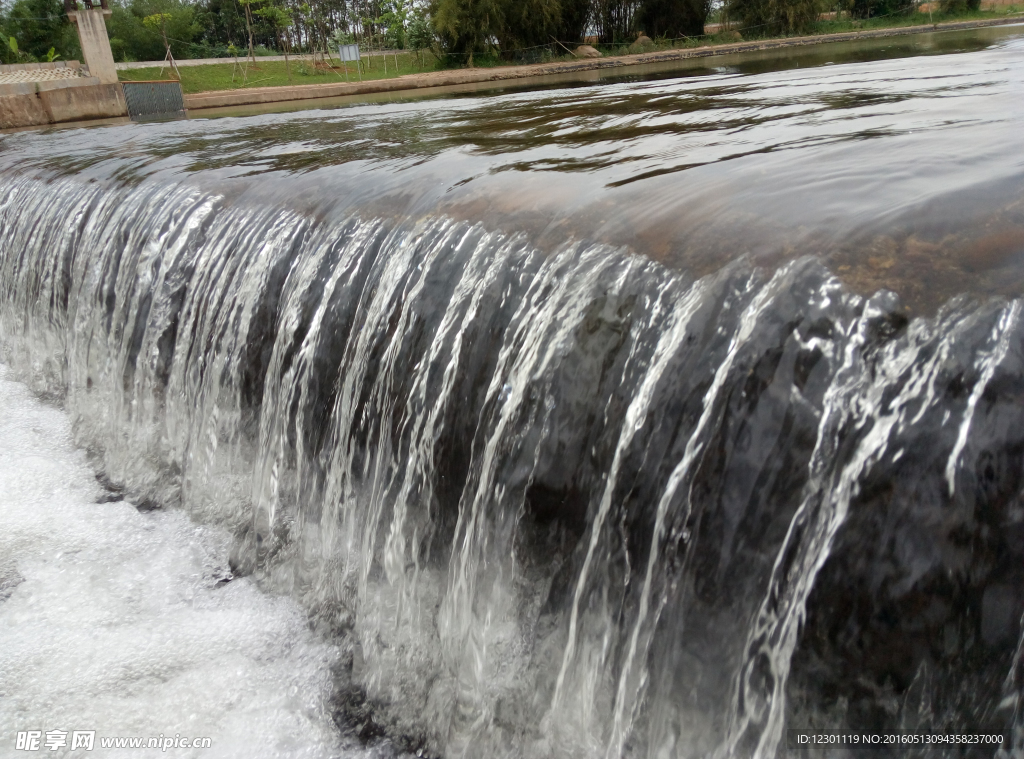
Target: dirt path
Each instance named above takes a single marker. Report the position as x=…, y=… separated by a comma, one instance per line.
x=261, y=95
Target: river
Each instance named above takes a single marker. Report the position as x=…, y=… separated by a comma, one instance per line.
x=648, y=414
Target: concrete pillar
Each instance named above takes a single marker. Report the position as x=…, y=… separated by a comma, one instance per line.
x=92, y=33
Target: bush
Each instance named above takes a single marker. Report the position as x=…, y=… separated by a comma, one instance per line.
x=419, y=34
x=763, y=18
x=136, y=42
x=875, y=8
x=673, y=18
x=37, y=25
x=468, y=27
x=959, y=6
x=465, y=28
x=506, y=27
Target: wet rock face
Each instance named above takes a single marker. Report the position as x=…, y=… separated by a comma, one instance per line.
x=915, y=617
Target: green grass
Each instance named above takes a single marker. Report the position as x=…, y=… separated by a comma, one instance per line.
x=228, y=76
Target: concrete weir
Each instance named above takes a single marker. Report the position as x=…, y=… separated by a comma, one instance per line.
x=36, y=94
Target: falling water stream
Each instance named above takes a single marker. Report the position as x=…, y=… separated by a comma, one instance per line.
x=644, y=416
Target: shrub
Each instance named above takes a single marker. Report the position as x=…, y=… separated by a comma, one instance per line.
x=762, y=18
x=673, y=18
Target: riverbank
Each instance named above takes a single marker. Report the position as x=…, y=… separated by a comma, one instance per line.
x=264, y=95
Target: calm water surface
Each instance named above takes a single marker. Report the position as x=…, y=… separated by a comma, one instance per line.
x=899, y=162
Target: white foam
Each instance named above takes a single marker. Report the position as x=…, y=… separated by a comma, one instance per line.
x=115, y=622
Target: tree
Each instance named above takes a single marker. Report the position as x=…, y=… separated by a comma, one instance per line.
x=247, y=4
x=37, y=25
x=313, y=24
x=221, y=23
x=762, y=18
x=419, y=34
x=573, y=20
x=158, y=22
x=529, y=23
x=131, y=39
x=959, y=6
x=872, y=8
x=615, y=20
x=393, y=20
x=279, y=20
x=467, y=27
x=673, y=18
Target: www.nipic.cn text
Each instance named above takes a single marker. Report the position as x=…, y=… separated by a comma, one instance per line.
x=86, y=740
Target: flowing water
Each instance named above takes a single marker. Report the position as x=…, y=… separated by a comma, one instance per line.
x=645, y=416
x=130, y=625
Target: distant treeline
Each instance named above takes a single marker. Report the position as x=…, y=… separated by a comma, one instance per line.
x=456, y=30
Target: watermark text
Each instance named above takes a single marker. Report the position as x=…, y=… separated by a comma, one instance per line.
x=86, y=740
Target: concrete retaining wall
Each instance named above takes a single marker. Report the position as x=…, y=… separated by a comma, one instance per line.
x=41, y=103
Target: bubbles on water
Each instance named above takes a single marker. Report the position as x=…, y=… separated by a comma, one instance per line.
x=125, y=623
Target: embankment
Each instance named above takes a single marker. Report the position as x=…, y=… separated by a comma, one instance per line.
x=261, y=95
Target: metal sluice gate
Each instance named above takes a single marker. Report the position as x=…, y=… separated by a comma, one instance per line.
x=151, y=101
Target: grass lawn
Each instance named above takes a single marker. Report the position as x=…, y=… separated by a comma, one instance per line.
x=229, y=76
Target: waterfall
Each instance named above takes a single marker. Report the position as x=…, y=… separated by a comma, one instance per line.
x=564, y=502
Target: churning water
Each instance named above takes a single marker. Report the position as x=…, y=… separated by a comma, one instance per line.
x=112, y=617
x=644, y=417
